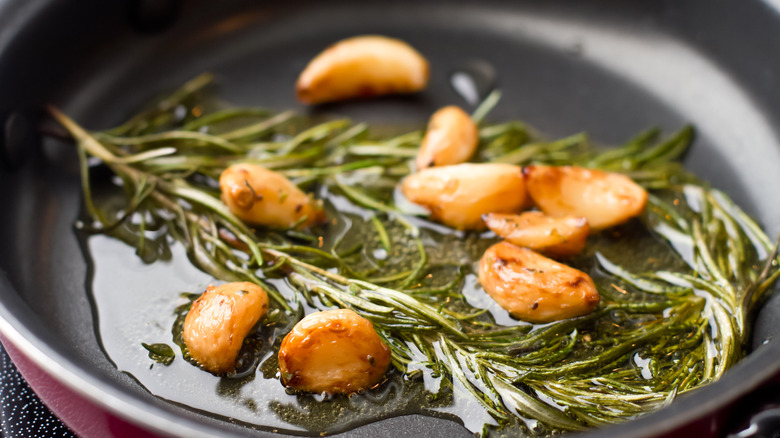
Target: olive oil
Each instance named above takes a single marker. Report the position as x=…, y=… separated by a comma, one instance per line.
x=677, y=285
x=140, y=301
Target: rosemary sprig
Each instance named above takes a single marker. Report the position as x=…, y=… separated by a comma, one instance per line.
x=664, y=334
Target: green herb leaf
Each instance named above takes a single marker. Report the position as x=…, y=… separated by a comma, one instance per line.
x=160, y=353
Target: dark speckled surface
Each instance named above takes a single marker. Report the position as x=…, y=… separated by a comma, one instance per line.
x=22, y=413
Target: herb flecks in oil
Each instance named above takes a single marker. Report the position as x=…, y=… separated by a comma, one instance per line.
x=160, y=353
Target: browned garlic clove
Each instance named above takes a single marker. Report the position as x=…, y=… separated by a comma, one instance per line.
x=452, y=138
x=604, y=199
x=460, y=194
x=259, y=196
x=218, y=322
x=335, y=352
x=362, y=66
x=534, y=288
x=555, y=236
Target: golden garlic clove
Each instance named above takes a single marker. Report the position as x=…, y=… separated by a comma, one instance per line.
x=534, y=288
x=460, y=194
x=335, y=352
x=604, y=199
x=555, y=236
x=452, y=138
x=218, y=322
x=362, y=66
x=259, y=196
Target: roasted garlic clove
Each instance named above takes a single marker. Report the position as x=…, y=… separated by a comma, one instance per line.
x=451, y=138
x=555, y=236
x=362, y=66
x=335, y=352
x=604, y=199
x=218, y=322
x=460, y=194
x=534, y=288
x=259, y=196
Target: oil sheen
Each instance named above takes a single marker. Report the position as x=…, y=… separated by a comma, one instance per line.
x=137, y=295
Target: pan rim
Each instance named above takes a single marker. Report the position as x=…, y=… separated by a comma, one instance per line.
x=752, y=371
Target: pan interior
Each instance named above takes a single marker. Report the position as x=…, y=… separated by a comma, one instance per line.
x=562, y=70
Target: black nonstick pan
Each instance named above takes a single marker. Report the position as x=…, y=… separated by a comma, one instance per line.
x=608, y=67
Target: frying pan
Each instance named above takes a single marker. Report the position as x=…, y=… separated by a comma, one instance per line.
x=610, y=67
